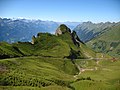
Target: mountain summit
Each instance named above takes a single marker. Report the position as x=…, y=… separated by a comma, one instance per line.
x=62, y=29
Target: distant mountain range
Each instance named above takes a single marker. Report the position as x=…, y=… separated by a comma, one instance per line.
x=23, y=29
x=102, y=37
x=108, y=41
x=88, y=30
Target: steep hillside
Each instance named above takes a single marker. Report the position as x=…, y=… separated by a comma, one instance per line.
x=7, y=50
x=108, y=42
x=64, y=44
x=88, y=30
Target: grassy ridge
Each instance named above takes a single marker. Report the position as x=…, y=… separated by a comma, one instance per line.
x=47, y=45
x=64, y=45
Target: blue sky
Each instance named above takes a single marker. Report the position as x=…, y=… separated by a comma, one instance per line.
x=62, y=10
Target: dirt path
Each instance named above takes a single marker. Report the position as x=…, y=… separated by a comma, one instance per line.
x=97, y=62
x=81, y=70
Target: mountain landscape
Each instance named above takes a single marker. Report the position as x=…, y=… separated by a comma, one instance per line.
x=108, y=41
x=63, y=44
x=13, y=30
x=59, y=44
x=101, y=37
x=60, y=61
x=88, y=30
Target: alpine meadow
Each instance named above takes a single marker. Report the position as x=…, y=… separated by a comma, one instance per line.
x=59, y=45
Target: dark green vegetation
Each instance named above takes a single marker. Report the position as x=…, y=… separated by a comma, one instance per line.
x=107, y=42
x=56, y=62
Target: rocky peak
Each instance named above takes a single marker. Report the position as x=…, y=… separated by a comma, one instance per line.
x=62, y=29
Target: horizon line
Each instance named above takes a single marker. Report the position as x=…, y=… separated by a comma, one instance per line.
x=81, y=21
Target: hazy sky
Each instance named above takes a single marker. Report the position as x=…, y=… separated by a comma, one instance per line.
x=62, y=10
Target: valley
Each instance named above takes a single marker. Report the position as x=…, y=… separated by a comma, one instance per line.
x=59, y=44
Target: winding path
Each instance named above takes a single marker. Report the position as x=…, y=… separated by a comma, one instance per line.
x=85, y=69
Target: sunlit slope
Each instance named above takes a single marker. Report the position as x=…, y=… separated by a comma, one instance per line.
x=108, y=42
x=36, y=72
x=43, y=73
x=103, y=75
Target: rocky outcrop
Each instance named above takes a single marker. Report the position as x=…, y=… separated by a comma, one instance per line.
x=58, y=32
x=62, y=29
x=33, y=40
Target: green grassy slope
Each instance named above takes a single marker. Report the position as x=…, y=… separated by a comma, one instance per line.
x=40, y=73
x=49, y=45
x=108, y=42
x=7, y=50
x=36, y=72
x=102, y=76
